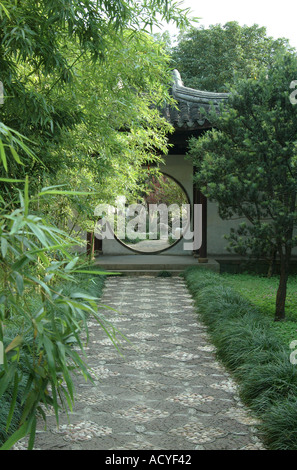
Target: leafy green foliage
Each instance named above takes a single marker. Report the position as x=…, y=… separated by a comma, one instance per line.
x=39, y=356
x=116, y=99
x=211, y=58
x=248, y=165
x=268, y=383
x=279, y=425
x=77, y=73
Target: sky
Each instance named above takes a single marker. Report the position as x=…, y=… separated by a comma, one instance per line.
x=280, y=18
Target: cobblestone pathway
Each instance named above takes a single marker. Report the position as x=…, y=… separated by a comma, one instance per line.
x=167, y=392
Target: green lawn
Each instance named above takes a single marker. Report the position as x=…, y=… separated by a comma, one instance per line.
x=261, y=291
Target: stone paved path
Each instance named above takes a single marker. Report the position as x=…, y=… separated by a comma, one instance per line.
x=168, y=392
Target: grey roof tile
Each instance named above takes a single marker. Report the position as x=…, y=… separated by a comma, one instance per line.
x=188, y=114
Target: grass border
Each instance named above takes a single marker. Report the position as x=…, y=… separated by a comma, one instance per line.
x=253, y=353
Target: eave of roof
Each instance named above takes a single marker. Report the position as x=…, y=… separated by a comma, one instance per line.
x=188, y=116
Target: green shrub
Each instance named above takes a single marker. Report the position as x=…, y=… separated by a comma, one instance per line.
x=279, y=425
x=253, y=351
x=243, y=341
x=216, y=301
x=198, y=279
x=12, y=407
x=265, y=384
x=46, y=295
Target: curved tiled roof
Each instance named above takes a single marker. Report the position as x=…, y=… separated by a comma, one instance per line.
x=189, y=101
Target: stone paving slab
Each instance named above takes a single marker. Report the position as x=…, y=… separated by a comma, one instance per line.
x=167, y=391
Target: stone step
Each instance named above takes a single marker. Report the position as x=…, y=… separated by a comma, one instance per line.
x=145, y=272
x=152, y=265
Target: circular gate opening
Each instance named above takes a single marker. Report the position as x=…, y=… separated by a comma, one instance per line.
x=156, y=220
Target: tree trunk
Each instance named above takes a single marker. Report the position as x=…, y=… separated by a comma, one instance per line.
x=90, y=245
x=271, y=264
x=282, y=287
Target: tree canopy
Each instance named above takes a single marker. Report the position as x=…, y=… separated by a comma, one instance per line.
x=248, y=164
x=82, y=80
x=211, y=58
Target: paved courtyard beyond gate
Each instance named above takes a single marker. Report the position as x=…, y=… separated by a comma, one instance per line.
x=166, y=392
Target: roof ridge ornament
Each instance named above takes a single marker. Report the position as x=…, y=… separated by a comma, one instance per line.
x=181, y=92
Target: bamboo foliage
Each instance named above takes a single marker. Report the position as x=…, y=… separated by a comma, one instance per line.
x=34, y=257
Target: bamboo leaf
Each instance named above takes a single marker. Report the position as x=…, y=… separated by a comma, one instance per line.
x=7, y=378
x=17, y=225
x=52, y=187
x=41, y=283
x=69, y=400
x=15, y=155
x=27, y=389
x=30, y=405
x=19, y=282
x=13, y=401
x=11, y=180
x=19, y=264
x=4, y=246
x=99, y=273
x=3, y=155
x=55, y=401
x=39, y=234
x=49, y=350
x=16, y=436
x=14, y=343
x=26, y=196
x=5, y=10
x=32, y=434
x=69, y=193
x=72, y=263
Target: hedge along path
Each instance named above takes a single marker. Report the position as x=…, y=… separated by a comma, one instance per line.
x=166, y=392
